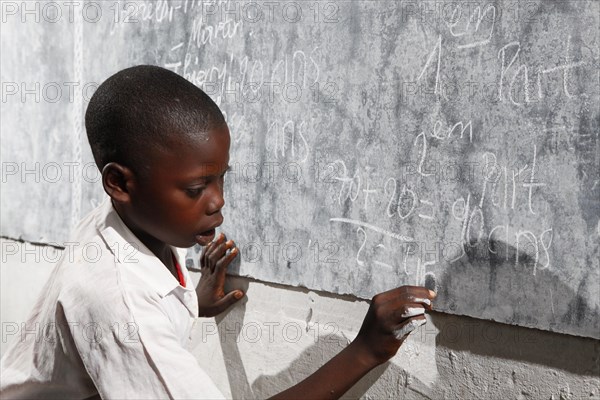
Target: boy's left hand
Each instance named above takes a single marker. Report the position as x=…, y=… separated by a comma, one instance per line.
x=212, y=299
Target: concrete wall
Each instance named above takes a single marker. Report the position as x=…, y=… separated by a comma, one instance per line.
x=278, y=335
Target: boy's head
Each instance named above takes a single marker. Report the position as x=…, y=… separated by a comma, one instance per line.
x=163, y=147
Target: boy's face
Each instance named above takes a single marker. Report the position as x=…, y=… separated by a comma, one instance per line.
x=179, y=200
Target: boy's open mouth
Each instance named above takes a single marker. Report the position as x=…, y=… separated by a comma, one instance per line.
x=206, y=237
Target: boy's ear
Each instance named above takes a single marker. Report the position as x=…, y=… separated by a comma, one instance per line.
x=118, y=181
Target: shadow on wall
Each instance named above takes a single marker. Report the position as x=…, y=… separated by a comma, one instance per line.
x=573, y=354
x=308, y=362
x=496, y=287
x=311, y=359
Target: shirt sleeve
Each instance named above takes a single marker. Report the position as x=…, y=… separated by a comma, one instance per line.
x=129, y=347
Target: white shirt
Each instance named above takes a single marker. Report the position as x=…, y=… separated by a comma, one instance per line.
x=111, y=322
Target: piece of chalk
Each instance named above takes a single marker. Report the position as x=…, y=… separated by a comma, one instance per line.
x=424, y=301
x=413, y=311
x=408, y=328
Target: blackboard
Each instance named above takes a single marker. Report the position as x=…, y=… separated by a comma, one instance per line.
x=374, y=143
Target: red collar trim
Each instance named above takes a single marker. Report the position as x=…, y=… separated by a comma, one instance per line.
x=178, y=267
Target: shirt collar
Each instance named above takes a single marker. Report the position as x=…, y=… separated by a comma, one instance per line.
x=131, y=253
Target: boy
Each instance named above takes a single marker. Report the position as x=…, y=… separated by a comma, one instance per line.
x=119, y=327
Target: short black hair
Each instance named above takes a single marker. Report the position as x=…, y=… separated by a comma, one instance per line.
x=143, y=107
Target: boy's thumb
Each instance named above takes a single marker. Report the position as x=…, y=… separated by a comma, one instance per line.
x=227, y=301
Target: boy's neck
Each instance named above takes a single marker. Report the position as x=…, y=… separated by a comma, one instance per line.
x=158, y=248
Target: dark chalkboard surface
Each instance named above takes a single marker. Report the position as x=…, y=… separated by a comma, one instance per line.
x=374, y=143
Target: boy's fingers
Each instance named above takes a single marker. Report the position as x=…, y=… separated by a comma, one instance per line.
x=226, y=260
x=419, y=291
x=220, y=238
x=220, y=251
x=216, y=253
x=407, y=293
x=215, y=243
x=408, y=310
x=402, y=330
x=206, y=249
x=205, y=252
x=425, y=302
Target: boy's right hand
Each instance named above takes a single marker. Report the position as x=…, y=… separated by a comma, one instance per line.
x=391, y=317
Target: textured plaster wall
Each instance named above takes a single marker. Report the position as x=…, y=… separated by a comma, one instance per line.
x=278, y=335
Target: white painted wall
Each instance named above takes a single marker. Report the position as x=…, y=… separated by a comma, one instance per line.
x=278, y=335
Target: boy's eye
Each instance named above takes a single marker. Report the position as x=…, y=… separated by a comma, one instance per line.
x=193, y=192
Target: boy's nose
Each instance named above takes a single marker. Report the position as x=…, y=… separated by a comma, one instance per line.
x=217, y=201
